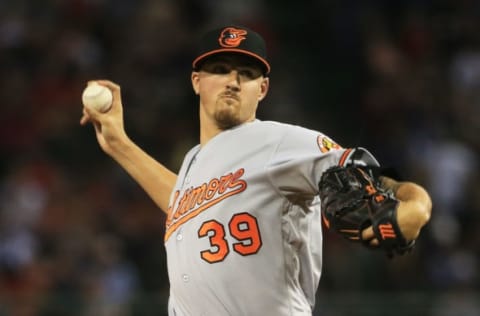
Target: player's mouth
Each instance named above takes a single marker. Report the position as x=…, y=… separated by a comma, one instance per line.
x=228, y=95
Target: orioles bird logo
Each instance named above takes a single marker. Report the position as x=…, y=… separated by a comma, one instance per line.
x=232, y=37
x=326, y=144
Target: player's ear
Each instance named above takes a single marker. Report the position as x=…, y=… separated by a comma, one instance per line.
x=195, y=82
x=263, y=88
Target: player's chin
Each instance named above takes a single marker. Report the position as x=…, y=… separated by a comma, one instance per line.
x=226, y=120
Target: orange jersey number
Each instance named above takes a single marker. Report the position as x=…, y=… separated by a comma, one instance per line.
x=242, y=226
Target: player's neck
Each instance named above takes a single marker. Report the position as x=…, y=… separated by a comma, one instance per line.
x=207, y=133
x=208, y=129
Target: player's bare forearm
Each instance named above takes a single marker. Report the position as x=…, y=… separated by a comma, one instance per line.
x=415, y=205
x=155, y=179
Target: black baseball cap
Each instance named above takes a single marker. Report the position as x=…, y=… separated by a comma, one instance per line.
x=232, y=39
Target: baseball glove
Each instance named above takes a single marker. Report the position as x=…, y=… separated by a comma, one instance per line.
x=352, y=200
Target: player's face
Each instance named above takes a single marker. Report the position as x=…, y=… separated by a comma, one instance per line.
x=230, y=87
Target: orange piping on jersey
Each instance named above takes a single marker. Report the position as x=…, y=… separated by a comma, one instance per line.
x=203, y=197
x=199, y=210
x=344, y=156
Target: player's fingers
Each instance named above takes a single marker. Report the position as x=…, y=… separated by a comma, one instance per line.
x=368, y=233
x=374, y=242
x=98, y=128
x=85, y=117
x=369, y=236
x=115, y=88
x=110, y=84
x=92, y=114
x=84, y=120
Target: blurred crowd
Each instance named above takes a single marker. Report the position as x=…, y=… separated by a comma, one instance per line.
x=79, y=237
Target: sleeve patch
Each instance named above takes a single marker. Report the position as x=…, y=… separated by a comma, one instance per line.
x=326, y=144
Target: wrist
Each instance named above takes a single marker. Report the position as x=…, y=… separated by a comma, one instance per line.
x=119, y=146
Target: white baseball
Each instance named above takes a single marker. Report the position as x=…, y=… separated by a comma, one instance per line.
x=97, y=97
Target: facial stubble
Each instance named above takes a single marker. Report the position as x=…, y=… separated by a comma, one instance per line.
x=226, y=115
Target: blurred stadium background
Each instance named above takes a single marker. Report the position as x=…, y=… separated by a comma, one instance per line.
x=78, y=237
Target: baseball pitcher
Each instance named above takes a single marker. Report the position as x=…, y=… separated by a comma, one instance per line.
x=245, y=211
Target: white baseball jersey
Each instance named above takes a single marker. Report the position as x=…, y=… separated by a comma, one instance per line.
x=244, y=233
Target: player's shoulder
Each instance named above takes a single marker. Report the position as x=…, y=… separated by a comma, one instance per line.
x=296, y=136
x=295, y=133
x=284, y=128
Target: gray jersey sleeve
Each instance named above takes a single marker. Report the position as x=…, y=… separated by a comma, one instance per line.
x=303, y=155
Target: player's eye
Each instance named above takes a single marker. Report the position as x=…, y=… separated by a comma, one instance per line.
x=218, y=69
x=244, y=71
x=249, y=73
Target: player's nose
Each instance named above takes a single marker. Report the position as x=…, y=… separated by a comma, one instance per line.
x=234, y=79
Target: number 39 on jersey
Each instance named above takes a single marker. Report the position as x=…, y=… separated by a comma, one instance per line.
x=243, y=227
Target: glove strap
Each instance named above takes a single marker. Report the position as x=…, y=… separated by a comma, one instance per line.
x=387, y=231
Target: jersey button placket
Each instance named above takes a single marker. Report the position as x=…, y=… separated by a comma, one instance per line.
x=179, y=236
x=187, y=179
